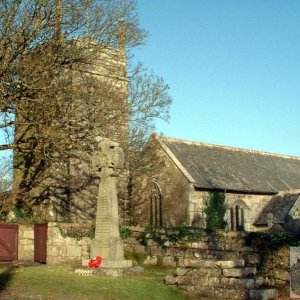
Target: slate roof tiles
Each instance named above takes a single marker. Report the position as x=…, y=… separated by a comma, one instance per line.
x=279, y=206
x=232, y=169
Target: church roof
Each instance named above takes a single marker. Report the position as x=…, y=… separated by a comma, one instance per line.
x=215, y=167
x=279, y=206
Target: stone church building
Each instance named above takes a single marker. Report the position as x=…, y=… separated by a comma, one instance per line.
x=261, y=189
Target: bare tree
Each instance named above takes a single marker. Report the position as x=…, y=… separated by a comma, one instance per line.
x=63, y=81
x=5, y=184
x=5, y=173
x=149, y=100
x=43, y=40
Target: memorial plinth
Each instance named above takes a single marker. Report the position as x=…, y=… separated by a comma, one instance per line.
x=108, y=160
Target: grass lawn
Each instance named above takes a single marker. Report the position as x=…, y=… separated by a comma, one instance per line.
x=60, y=282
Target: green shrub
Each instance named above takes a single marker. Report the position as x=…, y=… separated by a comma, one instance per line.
x=272, y=241
x=125, y=231
x=215, y=211
x=77, y=233
x=181, y=235
x=21, y=215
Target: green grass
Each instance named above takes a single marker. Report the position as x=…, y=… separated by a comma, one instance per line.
x=60, y=282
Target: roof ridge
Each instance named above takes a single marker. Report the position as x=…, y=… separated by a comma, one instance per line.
x=290, y=192
x=237, y=149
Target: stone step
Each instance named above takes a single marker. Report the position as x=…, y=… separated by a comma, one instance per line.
x=200, y=263
x=239, y=272
x=263, y=294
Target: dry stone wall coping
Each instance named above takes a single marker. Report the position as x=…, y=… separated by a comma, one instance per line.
x=217, y=245
x=199, y=263
x=229, y=264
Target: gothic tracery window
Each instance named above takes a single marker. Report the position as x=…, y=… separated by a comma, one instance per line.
x=156, y=206
x=237, y=215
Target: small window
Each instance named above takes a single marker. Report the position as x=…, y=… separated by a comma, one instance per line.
x=237, y=216
x=156, y=206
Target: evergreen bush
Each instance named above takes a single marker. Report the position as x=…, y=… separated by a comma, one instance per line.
x=215, y=211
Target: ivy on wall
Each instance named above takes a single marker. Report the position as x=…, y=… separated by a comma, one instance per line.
x=164, y=237
x=272, y=241
x=215, y=211
x=79, y=233
x=273, y=249
x=125, y=232
x=18, y=215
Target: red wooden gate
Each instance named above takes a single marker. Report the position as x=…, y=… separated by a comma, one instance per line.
x=40, y=243
x=8, y=242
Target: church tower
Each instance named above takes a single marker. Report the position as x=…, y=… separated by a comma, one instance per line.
x=64, y=187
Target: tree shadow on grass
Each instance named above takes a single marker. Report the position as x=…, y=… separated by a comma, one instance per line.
x=5, y=277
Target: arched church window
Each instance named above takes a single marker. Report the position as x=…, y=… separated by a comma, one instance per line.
x=237, y=215
x=156, y=206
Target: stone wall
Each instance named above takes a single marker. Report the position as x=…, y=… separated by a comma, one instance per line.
x=252, y=206
x=293, y=219
x=210, y=247
x=60, y=247
x=65, y=249
x=26, y=242
x=221, y=262
x=233, y=279
x=223, y=279
x=275, y=267
x=220, y=245
x=171, y=206
x=197, y=204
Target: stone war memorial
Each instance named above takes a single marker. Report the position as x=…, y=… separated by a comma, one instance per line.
x=107, y=162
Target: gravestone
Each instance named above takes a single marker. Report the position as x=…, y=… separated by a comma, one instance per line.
x=107, y=162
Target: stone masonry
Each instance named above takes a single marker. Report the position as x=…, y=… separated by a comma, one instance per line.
x=60, y=248
x=65, y=249
x=213, y=279
x=26, y=243
x=223, y=258
x=230, y=245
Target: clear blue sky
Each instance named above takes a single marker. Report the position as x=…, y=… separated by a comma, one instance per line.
x=233, y=68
